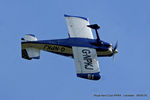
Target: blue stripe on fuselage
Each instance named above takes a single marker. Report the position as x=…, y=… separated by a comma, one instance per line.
x=77, y=42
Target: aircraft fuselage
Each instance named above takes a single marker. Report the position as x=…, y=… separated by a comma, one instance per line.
x=64, y=46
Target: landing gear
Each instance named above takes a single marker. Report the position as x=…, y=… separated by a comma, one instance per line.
x=95, y=27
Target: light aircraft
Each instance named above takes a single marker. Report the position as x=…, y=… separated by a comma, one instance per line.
x=80, y=45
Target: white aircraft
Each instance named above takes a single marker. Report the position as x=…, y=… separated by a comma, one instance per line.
x=80, y=45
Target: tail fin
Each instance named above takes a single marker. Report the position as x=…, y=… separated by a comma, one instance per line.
x=30, y=52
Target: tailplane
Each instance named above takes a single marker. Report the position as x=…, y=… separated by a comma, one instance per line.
x=29, y=52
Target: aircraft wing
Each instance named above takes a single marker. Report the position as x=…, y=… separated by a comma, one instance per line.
x=86, y=63
x=77, y=27
x=85, y=58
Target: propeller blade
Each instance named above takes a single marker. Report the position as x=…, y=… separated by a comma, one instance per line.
x=115, y=47
x=114, y=50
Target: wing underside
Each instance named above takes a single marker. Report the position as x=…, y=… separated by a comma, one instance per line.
x=85, y=58
x=77, y=27
x=86, y=63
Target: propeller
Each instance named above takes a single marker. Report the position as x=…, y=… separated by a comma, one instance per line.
x=114, y=50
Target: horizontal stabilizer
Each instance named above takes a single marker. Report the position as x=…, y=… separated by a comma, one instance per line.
x=30, y=52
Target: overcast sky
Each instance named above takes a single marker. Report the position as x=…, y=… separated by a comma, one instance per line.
x=53, y=77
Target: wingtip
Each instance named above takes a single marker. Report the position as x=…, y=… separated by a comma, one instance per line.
x=90, y=76
x=66, y=15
